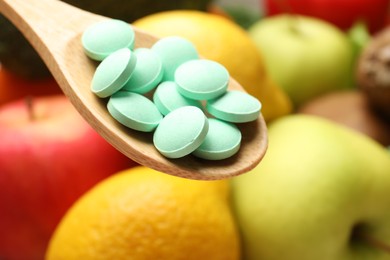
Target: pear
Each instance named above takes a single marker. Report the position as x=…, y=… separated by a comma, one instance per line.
x=322, y=192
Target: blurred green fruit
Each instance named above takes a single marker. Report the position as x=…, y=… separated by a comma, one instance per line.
x=305, y=56
x=321, y=192
x=359, y=37
x=242, y=15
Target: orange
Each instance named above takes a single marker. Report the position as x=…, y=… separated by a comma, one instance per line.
x=144, y=214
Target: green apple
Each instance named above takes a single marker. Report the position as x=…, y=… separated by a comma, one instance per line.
x=305, y=56
x=322, y=192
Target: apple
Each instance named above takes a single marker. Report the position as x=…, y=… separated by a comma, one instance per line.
x=13, y=87
x=304, y=55
x=342, y=13
x=350, y=108
x=49, y=156
x=321, y=192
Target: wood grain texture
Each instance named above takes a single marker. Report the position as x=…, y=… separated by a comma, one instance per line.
x=54, y=29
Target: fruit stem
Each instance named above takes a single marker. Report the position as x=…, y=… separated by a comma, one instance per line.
x=374, y=242
x=286, y=8
x=30, y=108
x=293, y=23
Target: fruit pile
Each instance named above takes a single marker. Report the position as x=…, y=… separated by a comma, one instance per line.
x=321, y=71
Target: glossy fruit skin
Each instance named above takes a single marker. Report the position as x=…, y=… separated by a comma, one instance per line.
x=143, y=214
x=46, y=163
x=321, y=192
x=13, y=87
x=306, y=56
x=342, y=13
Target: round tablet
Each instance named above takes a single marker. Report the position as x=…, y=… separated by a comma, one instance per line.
x=147, y=73
x=174, y=51
x=235, y=107
x=103, y=38
x=134, y=111
x=113, y=72
x=167, y=98
x=222, y=141
x=181, y=132
x=202, y=79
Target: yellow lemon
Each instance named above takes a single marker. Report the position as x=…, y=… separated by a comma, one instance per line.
x=220, y=39
x=144, y=214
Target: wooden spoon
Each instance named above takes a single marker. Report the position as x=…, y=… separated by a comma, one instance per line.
x=54, y=29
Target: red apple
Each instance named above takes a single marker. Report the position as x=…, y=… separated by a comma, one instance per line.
x=49, y=156
x=14, y=87
x=342, y=13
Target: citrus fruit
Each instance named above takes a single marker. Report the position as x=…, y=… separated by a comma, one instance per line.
x=220, y=39
x=143, y=214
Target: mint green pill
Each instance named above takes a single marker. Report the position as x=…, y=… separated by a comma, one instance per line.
x=104, y=38
x=134, y=111
x=113, y=73
x=181, y=132
x=167, y=98
x=222, y=141
x=202, y=79
x=174, y=51
x=147, y=74
x=235, y=107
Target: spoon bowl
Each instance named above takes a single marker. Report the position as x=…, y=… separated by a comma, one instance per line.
x=54, y=29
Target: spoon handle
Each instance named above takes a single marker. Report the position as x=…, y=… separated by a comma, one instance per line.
x=47, y=24
x=41, y=19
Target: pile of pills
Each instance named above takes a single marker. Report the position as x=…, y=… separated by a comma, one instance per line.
x=185, y=89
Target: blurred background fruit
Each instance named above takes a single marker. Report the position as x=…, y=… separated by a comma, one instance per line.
x=220, y=39
x=359, y=36
x=242, y=15
x=321, y=192
x=13, y=86
x=305, y=56
x=17, y=55
x=143, y=214
x=352, y=109
x=49, y=156
x=373, y=72
x=342, y=13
